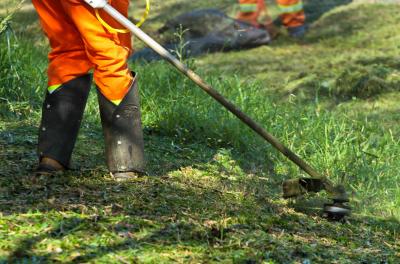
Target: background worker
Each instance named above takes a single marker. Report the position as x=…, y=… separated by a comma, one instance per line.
x=80, y=44
x=291, y=14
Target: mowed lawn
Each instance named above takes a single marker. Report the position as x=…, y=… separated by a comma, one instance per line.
x=213, y=194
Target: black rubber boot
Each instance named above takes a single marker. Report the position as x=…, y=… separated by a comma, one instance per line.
x=123, y=135
x=61, y=119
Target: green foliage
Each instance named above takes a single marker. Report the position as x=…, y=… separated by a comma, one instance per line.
x=5, y=22
x=22, y=76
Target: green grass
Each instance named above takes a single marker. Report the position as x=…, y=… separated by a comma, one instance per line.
x=213, y=194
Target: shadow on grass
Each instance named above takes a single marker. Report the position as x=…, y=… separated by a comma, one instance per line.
x=164, y=199
x=190, y=235
x=167, y=205
x=179, y=207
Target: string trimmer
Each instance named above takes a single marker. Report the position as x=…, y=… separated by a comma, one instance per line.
x=291, y=188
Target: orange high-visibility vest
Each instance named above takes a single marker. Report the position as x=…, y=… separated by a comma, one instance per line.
x=79, y=43
x=250, y=11
x=291, y=12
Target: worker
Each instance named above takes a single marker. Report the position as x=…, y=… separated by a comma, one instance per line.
x=80, y=44
x=291, y=14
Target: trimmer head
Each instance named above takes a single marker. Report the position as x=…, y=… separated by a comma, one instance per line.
x=336, y=210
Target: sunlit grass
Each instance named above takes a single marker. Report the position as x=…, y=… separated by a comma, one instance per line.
x=213, y=194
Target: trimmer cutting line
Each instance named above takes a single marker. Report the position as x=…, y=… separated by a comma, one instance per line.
x=291, y=188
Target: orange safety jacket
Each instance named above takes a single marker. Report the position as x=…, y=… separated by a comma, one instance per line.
x=291, y=12
x=79, y=43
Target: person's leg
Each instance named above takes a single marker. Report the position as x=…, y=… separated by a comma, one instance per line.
x=255, y=13
x=67, y=58
x=292, y=16
x=118, y=95
x=250, y=10
x=108, y=51
x=68, y=88
x=123, y=134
